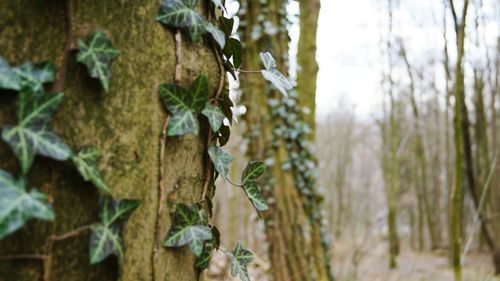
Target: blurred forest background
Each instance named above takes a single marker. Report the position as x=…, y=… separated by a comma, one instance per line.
x=380, y=157
x=404, y=129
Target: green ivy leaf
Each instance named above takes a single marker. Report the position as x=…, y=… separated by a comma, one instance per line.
x=105, y=237
x=185, y=105
x=226, y=103
x=86, y=164
x=32, y=133
x=255, y=196
x=8, y=78
x=273, y=75
x=223, y=135
x=226, y=25
x=217, y=34
x=214, y=115
x=239, y=259
x=33, y=76
x=233, y=49
x=253, y=171
x=188, y=227
x=182, y=14
x=97, y=52
x=203, y=260
x=251, y=174
x=221, y=159
x=17, y=206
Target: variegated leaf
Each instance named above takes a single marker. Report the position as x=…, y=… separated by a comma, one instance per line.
x=221, y=159
x=214, y=115
x=185, y=105
x=217, y=34
x=183, y=122
x=8, y=78
x=203, y=260
x=188, y=228
x=32, y=134
x=97, y=52
x=182, y=14
x=17, y=205
x=33, y=76
x=86, y=164
x=239, y=259
x=251, y=174
x=105, y=238
x=253, y=171
x=255, y=196
x=273, y=75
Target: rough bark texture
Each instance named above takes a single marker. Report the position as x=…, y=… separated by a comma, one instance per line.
x=125, y=124
x=294, y=246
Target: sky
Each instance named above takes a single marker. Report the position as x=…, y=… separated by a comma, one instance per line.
x=350, y=55
x=349, y=52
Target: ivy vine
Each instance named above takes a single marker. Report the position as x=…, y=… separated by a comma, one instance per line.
x=32, y=135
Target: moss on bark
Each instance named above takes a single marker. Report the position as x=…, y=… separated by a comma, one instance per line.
x=125, y=124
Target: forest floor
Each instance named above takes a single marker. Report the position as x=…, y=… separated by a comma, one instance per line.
x=368, y=261
x=372, y=265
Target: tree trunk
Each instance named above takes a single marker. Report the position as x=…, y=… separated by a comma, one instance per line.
x=293, y=240
x=125, y=124
x=307, y=71
x=457, y=192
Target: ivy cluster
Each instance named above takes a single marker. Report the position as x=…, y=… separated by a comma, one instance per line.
x=186, y=105
x=32, y=135
x=295, y=132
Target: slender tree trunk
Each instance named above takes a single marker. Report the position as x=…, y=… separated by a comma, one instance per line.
x=125, y=124
x=457, y=192
x=420, y=154
x=307, y=65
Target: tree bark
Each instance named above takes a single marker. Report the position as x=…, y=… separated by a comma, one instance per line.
x=125, y=124
x=307, y=71
x=295, y=248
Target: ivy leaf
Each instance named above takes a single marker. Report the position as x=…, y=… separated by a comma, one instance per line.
x=226, y=25
x=253, y=171
x=255, y=196
x=239, y=259
x=185, y=105
x=97, y=52
x=182, y=14
x=214, y=115
x=105, y=237
x=217, y=34
x=203, y=260
x=86, y=164
x=267, y=60
x=32, y=134
x=273, y=75
x=221, y=159
x=17, y=206
x=223, y=135
x=251, y=174
x=33, y=76
x=8, y=78
x=188, y=227
x=233, y=49
x=226, y=103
